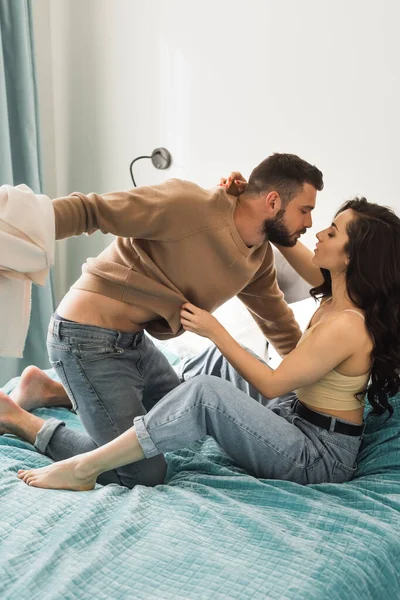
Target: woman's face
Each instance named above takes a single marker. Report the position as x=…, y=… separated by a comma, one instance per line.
x=330, y=252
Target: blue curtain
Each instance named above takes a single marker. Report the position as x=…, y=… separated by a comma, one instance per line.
x=20, y=156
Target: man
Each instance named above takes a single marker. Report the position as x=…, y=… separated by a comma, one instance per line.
x=176, y=243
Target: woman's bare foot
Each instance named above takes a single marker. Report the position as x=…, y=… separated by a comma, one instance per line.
x=36, y=390
x=67, y=474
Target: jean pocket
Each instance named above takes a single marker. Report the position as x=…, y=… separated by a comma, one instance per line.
x=93, y=351
x=342, y=473
x=59, y=369
x=337, y=443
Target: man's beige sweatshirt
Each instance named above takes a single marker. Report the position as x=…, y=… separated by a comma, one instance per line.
x=176, y=242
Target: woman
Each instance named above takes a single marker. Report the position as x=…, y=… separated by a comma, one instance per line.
x=311, y=435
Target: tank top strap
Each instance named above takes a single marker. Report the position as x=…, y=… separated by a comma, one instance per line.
x=355, y=312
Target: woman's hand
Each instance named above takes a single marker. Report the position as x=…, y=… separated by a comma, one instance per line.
x=199, y=321
x=235, y=184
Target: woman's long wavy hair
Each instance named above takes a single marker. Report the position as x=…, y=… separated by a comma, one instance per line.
x=373, y=284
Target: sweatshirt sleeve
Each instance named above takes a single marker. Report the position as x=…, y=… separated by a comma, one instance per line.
x=267, y=306
x=146, y=212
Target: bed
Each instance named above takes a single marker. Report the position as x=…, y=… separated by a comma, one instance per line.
x=211, y=531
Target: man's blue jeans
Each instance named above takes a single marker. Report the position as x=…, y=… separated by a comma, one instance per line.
x=110, y=378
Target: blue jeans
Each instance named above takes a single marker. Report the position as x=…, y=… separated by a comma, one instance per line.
x=265, y=437
x=110, y=378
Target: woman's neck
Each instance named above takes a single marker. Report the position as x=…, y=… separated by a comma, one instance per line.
x=340, y=299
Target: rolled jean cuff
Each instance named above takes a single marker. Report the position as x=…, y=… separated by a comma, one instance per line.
x=45, y=434
x=144, y=439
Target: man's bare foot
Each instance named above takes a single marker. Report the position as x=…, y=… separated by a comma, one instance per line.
x=17, y=421
x=9, y=414
x=36, y=390
x=67, y=474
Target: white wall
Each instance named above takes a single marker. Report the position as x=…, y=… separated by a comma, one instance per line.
x=221, y=84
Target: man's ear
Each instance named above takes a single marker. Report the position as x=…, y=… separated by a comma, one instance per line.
x=273, y=203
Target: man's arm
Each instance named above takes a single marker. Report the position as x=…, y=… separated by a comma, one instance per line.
x=268, y=308
x=139, y=212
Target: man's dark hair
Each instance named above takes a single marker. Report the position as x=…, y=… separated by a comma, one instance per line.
x=284, y=173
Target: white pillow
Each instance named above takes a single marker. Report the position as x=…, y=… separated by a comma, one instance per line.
x=235, y=317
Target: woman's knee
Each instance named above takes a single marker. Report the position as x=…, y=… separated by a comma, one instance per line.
x=206, y=389
x=201, y=384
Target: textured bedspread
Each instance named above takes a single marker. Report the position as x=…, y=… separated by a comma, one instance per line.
x=211, y=531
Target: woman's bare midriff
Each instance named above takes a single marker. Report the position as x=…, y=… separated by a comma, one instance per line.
x=89, y=308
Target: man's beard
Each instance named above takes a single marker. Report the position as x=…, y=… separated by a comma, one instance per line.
x=275, y=231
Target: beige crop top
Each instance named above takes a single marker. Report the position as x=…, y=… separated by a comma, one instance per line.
x=334, y=390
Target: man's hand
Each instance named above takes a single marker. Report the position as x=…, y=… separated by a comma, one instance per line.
x=235, y=184
x=199, y=321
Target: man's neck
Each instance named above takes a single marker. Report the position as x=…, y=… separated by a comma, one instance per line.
x=247, y=224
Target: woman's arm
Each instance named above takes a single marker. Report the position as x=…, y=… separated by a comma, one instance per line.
x=329, y=344
x=300, y=258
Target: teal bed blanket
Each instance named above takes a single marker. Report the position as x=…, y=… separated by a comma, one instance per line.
x=211, y=531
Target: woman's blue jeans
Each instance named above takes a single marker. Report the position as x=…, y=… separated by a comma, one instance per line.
x=114, y=378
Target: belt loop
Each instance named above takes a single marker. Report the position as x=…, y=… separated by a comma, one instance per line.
x=332, y=425
x=118, y=339
x=137, y=337
x=117, y=347
x=56, y=328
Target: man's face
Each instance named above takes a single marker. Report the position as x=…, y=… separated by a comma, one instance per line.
x=291, y=222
